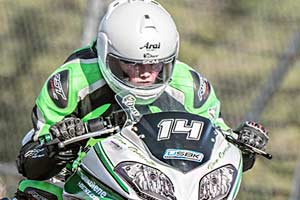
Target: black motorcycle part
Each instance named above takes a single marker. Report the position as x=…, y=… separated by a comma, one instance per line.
x=36, y=194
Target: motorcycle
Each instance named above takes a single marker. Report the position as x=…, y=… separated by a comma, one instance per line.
x=172, y=155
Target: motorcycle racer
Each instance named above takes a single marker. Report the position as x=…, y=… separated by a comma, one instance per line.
x=136, y=50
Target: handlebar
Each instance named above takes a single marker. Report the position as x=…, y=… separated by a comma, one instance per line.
x=248, y=148
x=62, y=144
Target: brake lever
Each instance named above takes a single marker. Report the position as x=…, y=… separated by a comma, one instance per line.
x=258, y=151
x=62, y=144
x=248, y=147
x=52, y=142
x=115, y=129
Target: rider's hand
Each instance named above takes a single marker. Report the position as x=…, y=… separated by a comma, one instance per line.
x=67, y=128
x=253, y=134
x=65, y=155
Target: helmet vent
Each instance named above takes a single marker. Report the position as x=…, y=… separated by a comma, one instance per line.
x=148, y=23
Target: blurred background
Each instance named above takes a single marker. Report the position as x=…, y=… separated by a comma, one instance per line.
x=249, y=50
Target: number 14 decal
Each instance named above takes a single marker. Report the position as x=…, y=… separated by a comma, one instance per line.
x=168, y=126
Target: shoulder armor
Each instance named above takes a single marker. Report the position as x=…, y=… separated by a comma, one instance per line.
x=58, y=88
x=84, y=53
x=202, y=89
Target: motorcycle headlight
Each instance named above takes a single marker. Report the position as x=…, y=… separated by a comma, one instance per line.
x=148, y=182
x=217, y=184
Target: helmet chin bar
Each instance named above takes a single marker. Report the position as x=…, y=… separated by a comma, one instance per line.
x=144, y=96
x=144, y=100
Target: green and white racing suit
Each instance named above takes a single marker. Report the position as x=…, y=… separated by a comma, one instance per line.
x=78, y=89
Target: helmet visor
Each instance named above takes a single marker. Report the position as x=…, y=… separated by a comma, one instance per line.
x=140, y=74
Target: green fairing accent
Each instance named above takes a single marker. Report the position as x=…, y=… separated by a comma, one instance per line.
x=90, y=143
x=96, y=113
x=44, y=131
x=93, y=141
x=105, y=160
x=154, y=109
x=48, y=187
x=82, y=180
x=239, y=178
x=78, y=160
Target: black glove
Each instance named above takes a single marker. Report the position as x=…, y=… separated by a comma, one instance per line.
x=67, y=129
x=65, y=155
x=253, y=134
x=40, y=162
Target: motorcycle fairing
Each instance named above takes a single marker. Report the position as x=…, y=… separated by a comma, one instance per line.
x=148, y=129
x=83, y=185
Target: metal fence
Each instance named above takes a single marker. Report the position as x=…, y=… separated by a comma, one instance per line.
x=249, y=50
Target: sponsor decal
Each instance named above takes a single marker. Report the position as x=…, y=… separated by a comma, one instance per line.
x=137, y=152
x=129, y=102
x=87, y=191
x=115, y=145
x=203, y=89
x=221, y=155
x=150, y=59
x=149, y=55
x=182, y=154
x=36, y=195
x=95, y=188
x=35, y=153
x=58, y=88
x=120, y=139
x=151, y=47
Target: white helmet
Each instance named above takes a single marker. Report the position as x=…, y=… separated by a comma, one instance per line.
x=137, y=33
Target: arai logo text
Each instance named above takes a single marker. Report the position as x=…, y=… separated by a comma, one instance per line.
x=151, y=47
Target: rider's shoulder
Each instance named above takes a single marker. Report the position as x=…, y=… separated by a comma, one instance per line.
x=182, y=66
x=191, y=82
x=183, y=70
x=76, y=73
x=85, y=53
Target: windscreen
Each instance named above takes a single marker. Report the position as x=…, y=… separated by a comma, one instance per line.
x=175, y=137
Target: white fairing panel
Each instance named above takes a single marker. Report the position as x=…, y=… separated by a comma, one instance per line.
x=119, y=148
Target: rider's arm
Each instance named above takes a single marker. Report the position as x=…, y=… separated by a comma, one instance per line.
x=200, y=98
x=36, y=161
x=199, y=94
x=66, y=93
